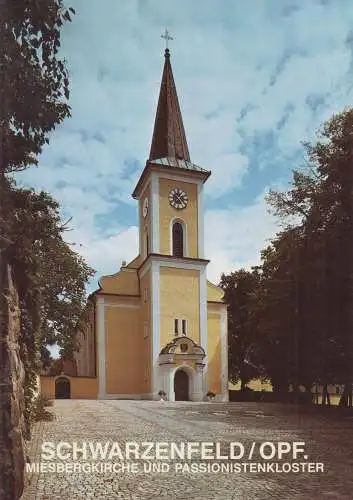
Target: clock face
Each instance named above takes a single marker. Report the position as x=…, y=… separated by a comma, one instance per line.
x=145, y=207
x=178, y=198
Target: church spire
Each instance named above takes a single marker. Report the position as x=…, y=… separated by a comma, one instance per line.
x=169, y=138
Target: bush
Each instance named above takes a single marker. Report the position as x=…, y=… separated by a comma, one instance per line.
x=40, y=413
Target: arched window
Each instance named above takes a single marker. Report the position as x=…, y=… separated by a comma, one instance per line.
x=178, y=240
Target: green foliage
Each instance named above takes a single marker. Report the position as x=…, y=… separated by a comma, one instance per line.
x=34, y=89
x=40, y=412
x=307, y=272
x=240, y=294
x=34, y=84
x=58, y=275
x=50, y=279
x=295, y=311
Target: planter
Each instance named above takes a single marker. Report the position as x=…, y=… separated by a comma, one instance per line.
x=162, y=395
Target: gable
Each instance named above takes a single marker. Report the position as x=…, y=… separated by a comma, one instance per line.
x=214, y=293
x=135, y=264
x=124, y=282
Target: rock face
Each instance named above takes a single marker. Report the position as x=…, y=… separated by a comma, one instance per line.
x=12, y=448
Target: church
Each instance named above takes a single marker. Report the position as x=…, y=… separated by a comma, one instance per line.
x=158, y=324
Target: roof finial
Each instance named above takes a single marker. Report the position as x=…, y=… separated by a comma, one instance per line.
x=166, y=37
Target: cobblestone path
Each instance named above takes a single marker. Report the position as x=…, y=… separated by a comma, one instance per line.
x=327, y=441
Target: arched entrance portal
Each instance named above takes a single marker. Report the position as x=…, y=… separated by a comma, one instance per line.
x=62, y=388
x=181, y=386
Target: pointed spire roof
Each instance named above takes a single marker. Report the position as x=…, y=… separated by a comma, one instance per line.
x=169, y=149
x=169, y=139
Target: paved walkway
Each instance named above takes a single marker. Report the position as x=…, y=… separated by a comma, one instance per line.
x=328, y=441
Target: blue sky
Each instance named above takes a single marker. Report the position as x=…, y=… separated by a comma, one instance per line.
x=254, y=79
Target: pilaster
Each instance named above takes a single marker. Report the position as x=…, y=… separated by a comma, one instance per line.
x=101, y=348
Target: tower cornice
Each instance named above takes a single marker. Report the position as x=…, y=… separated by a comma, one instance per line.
x=198, y=174
x=171, y=261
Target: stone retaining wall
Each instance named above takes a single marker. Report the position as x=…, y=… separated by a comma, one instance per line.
x=12, y=448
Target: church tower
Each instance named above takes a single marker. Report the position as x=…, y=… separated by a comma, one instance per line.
x=171, y=236
x=157, y=324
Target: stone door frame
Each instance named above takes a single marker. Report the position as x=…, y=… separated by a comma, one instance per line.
x=168, y=371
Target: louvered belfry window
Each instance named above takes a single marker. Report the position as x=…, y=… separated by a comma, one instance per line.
x=178, y=242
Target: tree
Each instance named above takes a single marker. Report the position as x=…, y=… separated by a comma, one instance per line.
x=239, y=292
x=276, y=311
x=34, y=89
x=290, y=311
x=321, y=196
x=34, y=84
x=60, y=273
x=51, y=279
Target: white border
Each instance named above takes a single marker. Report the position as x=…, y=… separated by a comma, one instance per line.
x=172, y=177
x=155, y=212
x=155, y=327
x=203, y=323
x=143, y=220
x=200, y=221
x=180, y=264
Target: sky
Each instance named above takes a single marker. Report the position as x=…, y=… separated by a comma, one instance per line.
x=254, y=79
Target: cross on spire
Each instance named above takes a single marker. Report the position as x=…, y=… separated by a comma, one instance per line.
x=166, y=37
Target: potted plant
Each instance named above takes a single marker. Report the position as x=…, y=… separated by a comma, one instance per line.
x=162, y=395
x=211, y=395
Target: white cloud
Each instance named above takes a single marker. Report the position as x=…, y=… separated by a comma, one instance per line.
x=236, y=235
x=227, y=57
x=107, y=254
x=229, y=173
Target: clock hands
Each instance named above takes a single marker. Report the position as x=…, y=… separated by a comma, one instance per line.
x=178, y=198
